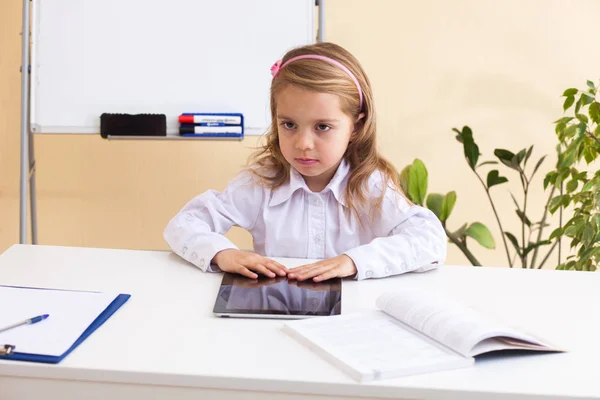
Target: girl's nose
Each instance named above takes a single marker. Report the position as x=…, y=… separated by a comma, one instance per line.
x=304, y=140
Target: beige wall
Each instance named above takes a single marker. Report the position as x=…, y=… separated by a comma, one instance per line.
x=499, y=67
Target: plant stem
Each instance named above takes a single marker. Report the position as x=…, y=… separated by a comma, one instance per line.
x=590, y=134
x=487, y=191
x=560, y=215
x=547, y=255
x=463, y=248
x=524, y=256
x=539, y=237
x=525, y=190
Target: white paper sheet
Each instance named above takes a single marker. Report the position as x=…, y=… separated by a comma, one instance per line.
x=70, y=313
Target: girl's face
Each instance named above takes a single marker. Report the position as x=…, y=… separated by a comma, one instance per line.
x=313, y=133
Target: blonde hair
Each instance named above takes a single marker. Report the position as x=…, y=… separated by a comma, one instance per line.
x=361, y=154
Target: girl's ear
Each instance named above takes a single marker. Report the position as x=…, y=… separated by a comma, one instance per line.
x=359, y=122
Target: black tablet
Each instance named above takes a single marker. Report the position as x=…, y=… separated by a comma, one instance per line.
x=277, y=298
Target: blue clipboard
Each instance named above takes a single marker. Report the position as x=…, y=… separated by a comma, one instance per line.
x=100, y=319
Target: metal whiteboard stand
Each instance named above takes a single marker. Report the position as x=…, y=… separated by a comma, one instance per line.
x=27, y=153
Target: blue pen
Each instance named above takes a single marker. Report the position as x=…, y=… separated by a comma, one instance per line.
x=26, y=322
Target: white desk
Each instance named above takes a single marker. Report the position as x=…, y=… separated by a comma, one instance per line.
x=165, y=343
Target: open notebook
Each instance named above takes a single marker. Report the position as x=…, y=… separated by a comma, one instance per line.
x=414, y=332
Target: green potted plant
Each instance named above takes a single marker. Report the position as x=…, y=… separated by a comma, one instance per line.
x=579, y=142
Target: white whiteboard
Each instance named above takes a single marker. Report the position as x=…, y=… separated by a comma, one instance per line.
x=158, y=56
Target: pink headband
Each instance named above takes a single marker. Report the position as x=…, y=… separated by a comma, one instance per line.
x=277, y=67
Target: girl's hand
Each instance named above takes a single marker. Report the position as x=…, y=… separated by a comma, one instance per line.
x=336, y=267
x=244, y=263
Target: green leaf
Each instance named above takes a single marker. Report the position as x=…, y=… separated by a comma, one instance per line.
x=535, y=245
x=563, y=120
x=570, y=92
x=554, y=204
x=582, y=118
x=541, y=160
x=581, y=128
x=556, y=233
x=523, y=218
x=550, y=178
x=587, y=94
x=460, y=232
x=514, y=242
x=578, y=105
x=458, y=135
x=589, y=233
x=582, y=176
x=572, y=186
x=588, y=186
x=591, y=85
x=417, y=182
x=515, y=201
x=566, y=199
x=404, y=179
x=586, y=98
x=448, y=204
x=569, y=156
x=493, y=178
x=597, y=131
x=568, y=102
x=434, y=203
x=529, y=151
x=505, y=157
x=470, y=147
x=563, y=174
x=481, y=234
x=520, y=156
x=573, y=230
x=589, y=155
x=487, y=163
x=594, y=112
x=570, y=131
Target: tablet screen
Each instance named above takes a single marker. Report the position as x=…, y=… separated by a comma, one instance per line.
x=277, y=296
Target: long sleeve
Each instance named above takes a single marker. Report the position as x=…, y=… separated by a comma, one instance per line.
x=196, y=232
x=409, y=238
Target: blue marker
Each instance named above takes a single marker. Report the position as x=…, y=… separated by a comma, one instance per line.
x=26, y=322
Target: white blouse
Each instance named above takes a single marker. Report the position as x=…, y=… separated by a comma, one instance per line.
x=292, y=221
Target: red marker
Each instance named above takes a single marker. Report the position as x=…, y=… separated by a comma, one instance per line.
x=210, y=119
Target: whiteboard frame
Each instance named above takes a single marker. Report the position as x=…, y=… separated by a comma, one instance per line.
x=27, y=161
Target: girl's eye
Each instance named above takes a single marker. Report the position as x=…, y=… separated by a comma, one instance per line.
x=289, y=125
x=323, y=127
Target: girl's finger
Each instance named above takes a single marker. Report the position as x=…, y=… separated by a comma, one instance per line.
x=301, y=270
x=332, y=273
x=275, y=268
x=283, y=267
x=262, y=269
x=317, y=270
x=246, y=272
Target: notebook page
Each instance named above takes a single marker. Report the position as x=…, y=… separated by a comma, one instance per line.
x=70, y=315
x=443, y=319
x=374, y=345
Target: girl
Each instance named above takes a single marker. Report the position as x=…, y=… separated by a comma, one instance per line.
x=317, y=189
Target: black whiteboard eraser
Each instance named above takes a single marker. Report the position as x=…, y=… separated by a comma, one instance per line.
x=133, y=125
